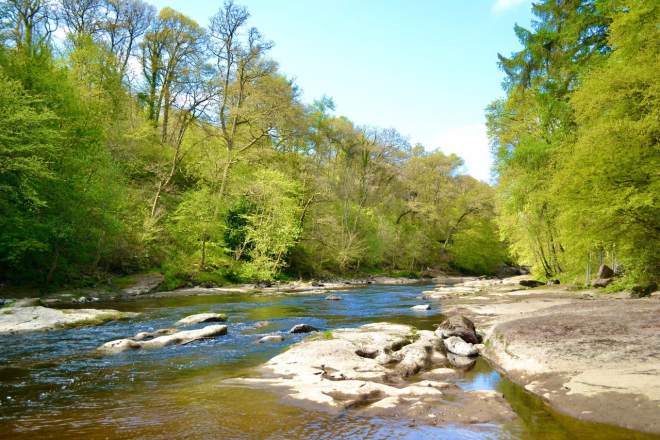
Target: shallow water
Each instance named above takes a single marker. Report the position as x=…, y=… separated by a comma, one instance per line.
x=53, y=385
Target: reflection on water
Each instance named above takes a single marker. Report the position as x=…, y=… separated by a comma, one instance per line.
x=53, y=385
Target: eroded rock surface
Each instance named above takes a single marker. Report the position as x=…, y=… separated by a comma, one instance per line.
x=178, y=338
x=366, y=367
x=22, y=318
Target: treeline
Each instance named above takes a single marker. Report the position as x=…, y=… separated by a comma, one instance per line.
x=132, y=139
x=577, y=138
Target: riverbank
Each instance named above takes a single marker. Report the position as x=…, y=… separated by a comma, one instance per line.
x=149, y=286
x=588, y=354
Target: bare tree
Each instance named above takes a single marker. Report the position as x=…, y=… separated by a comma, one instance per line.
x=126, y=21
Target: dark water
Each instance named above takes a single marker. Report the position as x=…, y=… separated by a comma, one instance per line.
x=53, y=385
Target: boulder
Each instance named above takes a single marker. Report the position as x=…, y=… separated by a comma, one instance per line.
x=270, y=338
x=421, y=307
x=303, y=328
x=202, y=317
x=530, y=283
x=317, y=284
x=604, y=272
x=261, y=323
x=161, y=332
x=263, y=284
x=459, y=326
x=333, y=297
x=601, y=282
x=458, y=346
x=551, y=282
x=144, y=284
x=179, y=338
x=30, y=319
x=643, y=291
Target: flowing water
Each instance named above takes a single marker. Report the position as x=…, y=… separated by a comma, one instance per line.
x=53, y=385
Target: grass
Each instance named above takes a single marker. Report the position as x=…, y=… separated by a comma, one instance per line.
x=123, y=282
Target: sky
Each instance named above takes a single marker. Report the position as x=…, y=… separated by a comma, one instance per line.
x=425, y=67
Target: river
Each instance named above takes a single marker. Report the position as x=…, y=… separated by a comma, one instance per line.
x=53, y=385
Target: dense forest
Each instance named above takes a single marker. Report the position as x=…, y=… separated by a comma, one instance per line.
x=136, y=139
x=577, y=139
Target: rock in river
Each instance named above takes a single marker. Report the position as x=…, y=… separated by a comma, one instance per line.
x=303, y=328
x=179, y=338
x=202, y=317
x=459, y=326
x=421, y=307
x=21, y=319
x=531, y=283
x=161, y=332
x=366, y=366
x=270, y=338
x=333, y=297
x=456, y=345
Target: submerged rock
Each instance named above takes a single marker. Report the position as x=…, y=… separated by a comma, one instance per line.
x=421, y=307
x=178, y=338
x=161, y=332
x=270, y=338
x=303, y=328
x=333, y=297
x=464, y=363
x=202, y=317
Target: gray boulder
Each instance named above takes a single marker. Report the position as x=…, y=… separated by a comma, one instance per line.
x=456, y=345
x=303, y=328
x=601, y=282
x=530, y=283
x=604, y=272
x=458, y=326
x=333, y=297
x=202, y=317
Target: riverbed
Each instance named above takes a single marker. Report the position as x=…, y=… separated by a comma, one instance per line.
x=54, y=385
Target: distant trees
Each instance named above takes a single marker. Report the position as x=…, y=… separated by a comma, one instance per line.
x=574, y=155
x=144, y=140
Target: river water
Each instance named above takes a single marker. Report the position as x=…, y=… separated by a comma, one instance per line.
x=53, y=385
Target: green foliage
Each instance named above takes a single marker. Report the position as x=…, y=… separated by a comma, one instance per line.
x=208, y=169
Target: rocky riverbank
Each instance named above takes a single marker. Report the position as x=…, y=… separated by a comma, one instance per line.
x=26, y=315
x=373, y=369
x=591, y=355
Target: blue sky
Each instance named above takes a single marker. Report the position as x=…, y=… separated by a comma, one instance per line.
x=425, y=67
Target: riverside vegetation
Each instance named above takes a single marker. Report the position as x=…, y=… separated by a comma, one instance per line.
x=132, y=139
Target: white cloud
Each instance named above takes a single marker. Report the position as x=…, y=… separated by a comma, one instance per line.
x=504, y=5
x=470, y=143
